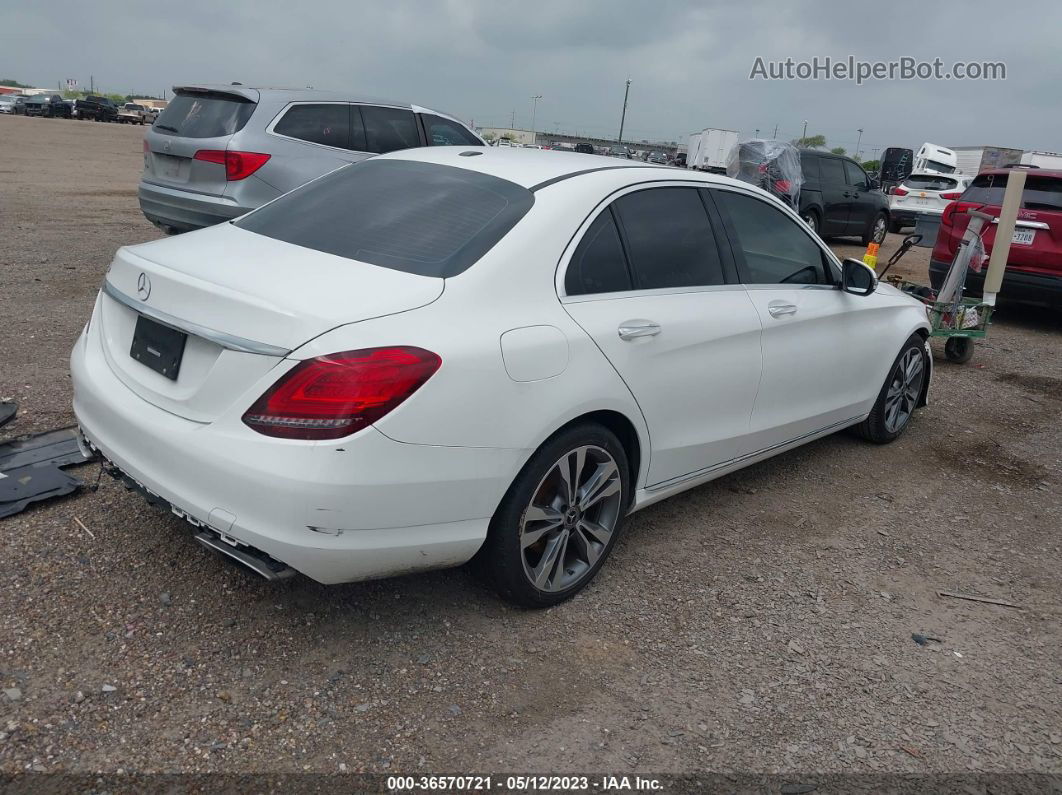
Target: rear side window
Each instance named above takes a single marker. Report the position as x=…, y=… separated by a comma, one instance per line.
x=809, y=165
x=204, y=115
x=669, y=239
x=930, y=182
x=389, y=129
x=326, y=124
x=775, y=249
x=1041, y=193
x=598, y=265
x=832, y=171
x=420, y=218
x=443, y=132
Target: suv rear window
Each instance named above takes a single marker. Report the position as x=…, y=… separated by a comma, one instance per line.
x=202, y=115
x=1041, y=193
x=930, y=182
x=420, y=218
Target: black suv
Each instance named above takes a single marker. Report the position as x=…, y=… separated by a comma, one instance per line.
x=838, y=198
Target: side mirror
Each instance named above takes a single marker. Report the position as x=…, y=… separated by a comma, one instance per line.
x=858, y=278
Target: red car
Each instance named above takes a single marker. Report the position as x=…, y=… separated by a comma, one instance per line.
x=1034, y=267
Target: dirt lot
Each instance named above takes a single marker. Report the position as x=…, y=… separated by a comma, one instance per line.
x=762, y=622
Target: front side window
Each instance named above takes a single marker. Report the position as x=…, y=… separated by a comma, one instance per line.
x=775, y=249
x=598, y=265
x=443, y=132
x=389, y=129
x=669, y=239
x=327, y=124
x=854, y=175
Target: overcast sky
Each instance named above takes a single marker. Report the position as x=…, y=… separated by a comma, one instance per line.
x=689, y=62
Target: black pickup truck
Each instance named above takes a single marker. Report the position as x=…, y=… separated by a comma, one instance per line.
x=49, y=106
x=96, y=108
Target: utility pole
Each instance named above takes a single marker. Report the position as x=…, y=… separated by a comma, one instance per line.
x=92, y=85
x=757, y=135
x=775, y=136
x=512, y=123
x=860, y=138
x=623, y=117
x=534, y=106
x=804, y=137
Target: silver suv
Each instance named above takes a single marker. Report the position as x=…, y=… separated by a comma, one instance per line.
x=217, y=152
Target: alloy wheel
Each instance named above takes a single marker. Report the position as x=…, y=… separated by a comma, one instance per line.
x=571, y=518
x=879, y=229
x=905, y=385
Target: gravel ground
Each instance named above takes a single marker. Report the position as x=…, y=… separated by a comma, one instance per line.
x=761, y=622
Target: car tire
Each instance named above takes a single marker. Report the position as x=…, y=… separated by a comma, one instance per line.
x=959, y=349
x=521, y=554
x=899, y=395
x=811, y=218
x=876, y=229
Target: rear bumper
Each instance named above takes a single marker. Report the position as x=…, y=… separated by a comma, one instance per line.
x=905, y=216
x=360, y=508
x=185, y=210
x=1018, y=286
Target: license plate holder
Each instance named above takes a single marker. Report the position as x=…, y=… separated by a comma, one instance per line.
x=158, y=347
x=1023, y=237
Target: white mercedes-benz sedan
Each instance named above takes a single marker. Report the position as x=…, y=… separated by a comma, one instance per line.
x=445, y=354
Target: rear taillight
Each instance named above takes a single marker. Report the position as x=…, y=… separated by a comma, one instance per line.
x=900, y=191
x=336, y=395
x=781, y=185
x=952, y=195
x=947, y=218
x=238, y=165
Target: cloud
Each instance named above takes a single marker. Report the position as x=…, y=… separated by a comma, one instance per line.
x=483, y=59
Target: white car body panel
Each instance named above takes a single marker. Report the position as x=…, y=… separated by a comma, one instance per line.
x=417, y=488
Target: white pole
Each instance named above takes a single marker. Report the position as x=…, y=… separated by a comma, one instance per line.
x=1008, y=215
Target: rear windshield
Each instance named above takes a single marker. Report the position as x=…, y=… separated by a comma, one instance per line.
x=420, y=218
x=943, y=168
x=197, y=115
x=1041, y=193
x=930, y=182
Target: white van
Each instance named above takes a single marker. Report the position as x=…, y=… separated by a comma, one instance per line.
x=933, y=159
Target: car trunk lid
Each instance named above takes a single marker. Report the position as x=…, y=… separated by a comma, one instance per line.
x=244, y=301
x=196, y=119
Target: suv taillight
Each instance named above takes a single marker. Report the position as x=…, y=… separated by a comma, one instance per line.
x=947, y=218
x=333, y=396
x=899, y=190
x=238, y=165
x=951, y=195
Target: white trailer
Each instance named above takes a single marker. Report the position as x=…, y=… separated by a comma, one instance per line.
x=973, y=160
x=709, y=149
x=1051, y=160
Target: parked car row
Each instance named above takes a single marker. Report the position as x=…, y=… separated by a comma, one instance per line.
x=92, y=107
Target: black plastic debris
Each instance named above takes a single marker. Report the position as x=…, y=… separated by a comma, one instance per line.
x=922, y=640
x=31, y=468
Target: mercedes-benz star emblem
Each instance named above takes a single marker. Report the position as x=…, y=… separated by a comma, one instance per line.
x=143, y=286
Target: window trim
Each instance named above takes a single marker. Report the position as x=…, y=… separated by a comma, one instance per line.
x=833, y=265
x=730, y=274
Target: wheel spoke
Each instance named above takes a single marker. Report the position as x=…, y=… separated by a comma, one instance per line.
x=603, y=483
x=595, y=531
x=548, y=562
x=587, y=548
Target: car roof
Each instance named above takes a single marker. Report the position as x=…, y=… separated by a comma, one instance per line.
x=258, y=93
x=1040, y=172
x=536, y=168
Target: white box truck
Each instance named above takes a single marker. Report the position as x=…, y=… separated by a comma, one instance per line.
x=975, y=159
x=709, y=148
x=1051, y=160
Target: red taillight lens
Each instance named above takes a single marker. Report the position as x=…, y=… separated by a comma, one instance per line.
x=781, y=185
x=238, y=165
x=900, y=191
x=336, y=395
x=952, y=196
x=947, y=218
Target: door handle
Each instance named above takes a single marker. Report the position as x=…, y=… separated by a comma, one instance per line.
x=632, y=329
x=781, y=309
